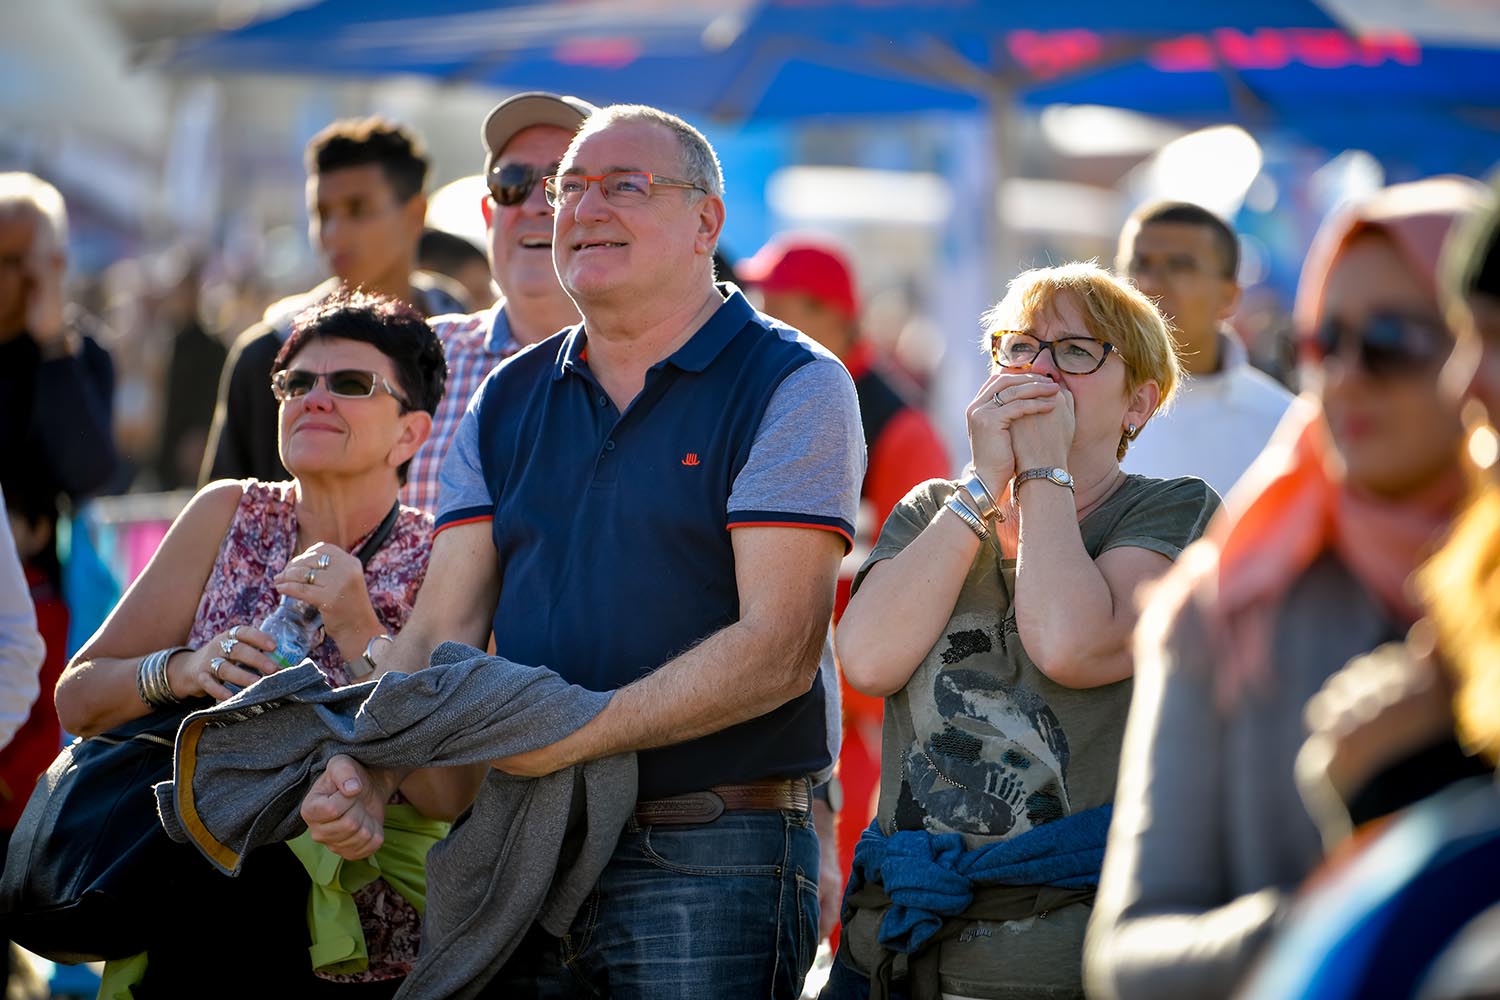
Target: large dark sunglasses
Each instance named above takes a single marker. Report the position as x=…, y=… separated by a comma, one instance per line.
x=511, y=183
x=1388, y=344
x=348, y=383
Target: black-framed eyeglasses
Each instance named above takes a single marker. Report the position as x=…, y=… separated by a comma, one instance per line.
x=1387, y=344
x=347, y=383
x=511, y=183
x=1073, y=355
x=623, y=187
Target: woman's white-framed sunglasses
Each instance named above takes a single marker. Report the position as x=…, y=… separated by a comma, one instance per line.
x=347, y=383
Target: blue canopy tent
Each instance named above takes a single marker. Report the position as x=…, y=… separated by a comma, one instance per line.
x=1429, y=107
x=731, y=59
x=742, y=59
x=1279, y=65
x=734, y=59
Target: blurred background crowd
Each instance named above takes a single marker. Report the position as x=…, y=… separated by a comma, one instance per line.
x=175, y=130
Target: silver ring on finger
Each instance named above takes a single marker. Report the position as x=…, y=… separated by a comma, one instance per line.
x=227, y=645
x=234, y=633
x=997, y=399
x=323, y=561
x=311, y=578
x=216, y=663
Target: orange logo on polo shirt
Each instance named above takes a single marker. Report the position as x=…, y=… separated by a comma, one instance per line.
x=691, y=458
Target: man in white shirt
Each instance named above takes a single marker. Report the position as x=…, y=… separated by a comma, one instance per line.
x=21, y=646
x=1186, y=258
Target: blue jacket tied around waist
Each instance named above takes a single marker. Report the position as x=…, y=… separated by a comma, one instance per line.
x=930, y=877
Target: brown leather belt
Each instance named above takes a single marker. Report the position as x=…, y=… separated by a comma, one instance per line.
x=706, y=806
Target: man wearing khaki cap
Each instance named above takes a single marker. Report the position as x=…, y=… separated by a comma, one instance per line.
x=524, y=139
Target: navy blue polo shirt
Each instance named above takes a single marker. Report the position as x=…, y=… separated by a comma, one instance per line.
x=613, y=529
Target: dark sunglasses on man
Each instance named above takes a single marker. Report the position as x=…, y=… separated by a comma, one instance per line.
x=1388, y=344
x=511, y=184
x=347, y=383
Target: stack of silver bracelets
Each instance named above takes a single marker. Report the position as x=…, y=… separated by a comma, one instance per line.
x=151, y=679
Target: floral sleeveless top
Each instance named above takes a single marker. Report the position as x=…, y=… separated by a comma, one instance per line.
x=261, y=540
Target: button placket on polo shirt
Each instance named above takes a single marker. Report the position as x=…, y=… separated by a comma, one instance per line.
x=606, y=455
x=609, y=456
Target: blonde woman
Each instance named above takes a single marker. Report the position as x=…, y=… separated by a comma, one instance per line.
x=993, y=617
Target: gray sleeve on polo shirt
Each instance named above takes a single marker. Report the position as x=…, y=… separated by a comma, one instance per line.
x=808, y=458
x=462, y=493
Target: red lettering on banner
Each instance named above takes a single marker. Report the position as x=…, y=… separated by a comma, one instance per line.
x=1261, y=49
x=1270, y=49
x=1392, y=47
x=605, y=53
x=1326, y=49
x=1188, y=54
x=1049, y=54
x=1053, y=53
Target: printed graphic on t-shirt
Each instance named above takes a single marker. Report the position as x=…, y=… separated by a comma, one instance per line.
x=989, y=757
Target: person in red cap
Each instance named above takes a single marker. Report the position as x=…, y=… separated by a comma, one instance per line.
x=809, y=285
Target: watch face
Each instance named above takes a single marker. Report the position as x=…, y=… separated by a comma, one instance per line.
x=1061, y=477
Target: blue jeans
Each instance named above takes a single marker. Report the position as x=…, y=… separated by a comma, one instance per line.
x=726, y=910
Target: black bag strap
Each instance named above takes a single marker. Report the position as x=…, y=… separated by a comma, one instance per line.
x=377, y=538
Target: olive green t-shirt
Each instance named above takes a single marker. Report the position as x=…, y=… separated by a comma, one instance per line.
x=980, y=742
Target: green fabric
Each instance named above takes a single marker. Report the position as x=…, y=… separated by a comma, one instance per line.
x=981, y=743
x=121, y=976
x=338, y=941
x=995, y=903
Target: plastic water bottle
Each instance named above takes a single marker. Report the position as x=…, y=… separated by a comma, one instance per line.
x=297, y=627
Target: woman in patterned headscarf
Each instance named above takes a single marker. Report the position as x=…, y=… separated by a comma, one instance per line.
x=1407, y=903
x=1308, y=568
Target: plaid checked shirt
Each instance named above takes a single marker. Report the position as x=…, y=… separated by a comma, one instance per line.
x=473, y=345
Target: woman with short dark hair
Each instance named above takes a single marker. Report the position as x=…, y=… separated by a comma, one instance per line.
x=358, y=381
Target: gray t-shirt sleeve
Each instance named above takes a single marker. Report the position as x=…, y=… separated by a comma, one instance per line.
x=463, y=494
x=808, y=458
x=905, y=522
x=1163, y=516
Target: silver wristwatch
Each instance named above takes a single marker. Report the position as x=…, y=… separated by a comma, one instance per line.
x=1055, y=475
